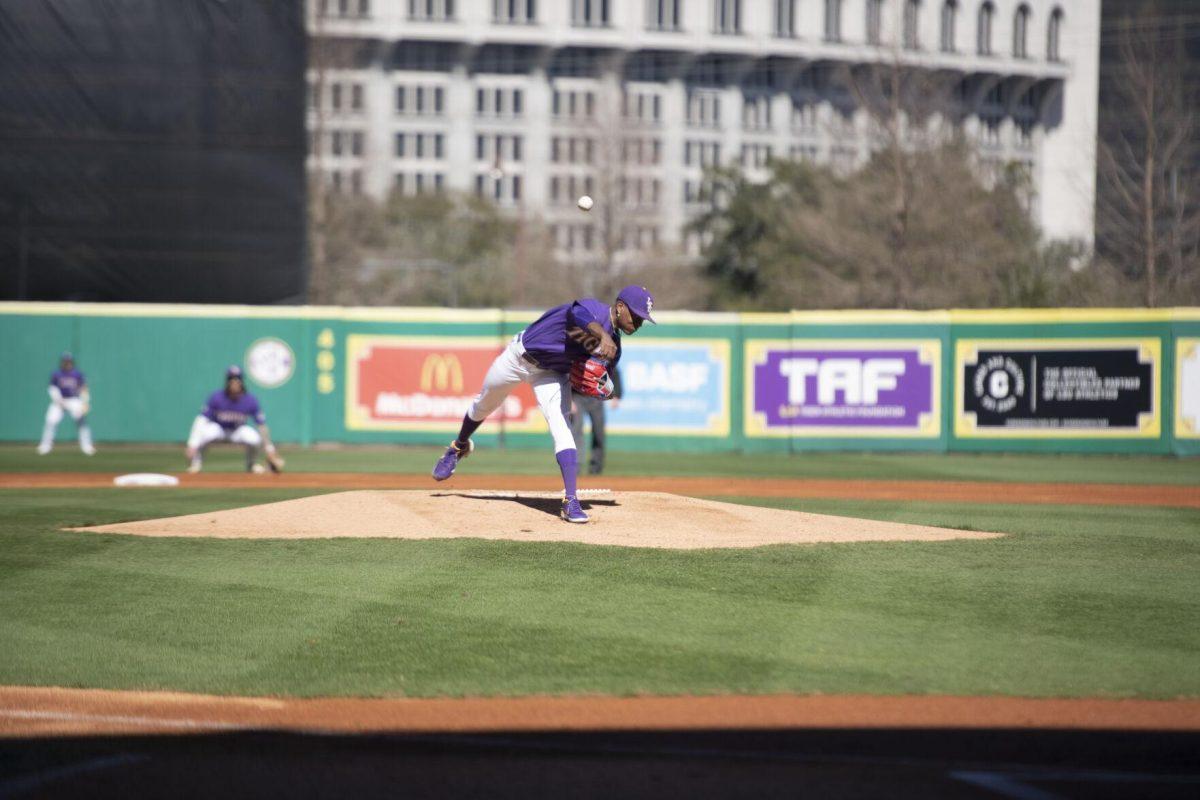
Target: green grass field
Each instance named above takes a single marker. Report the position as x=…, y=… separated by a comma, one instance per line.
x=855, y=466
x=1077, y=601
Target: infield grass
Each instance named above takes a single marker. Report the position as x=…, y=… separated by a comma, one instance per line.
x=493, y=460
x=1077, y=601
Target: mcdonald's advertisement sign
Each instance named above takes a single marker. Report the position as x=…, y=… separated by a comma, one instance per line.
x=426, y=383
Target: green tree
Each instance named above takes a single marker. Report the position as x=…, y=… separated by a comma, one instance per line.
x=808, y=238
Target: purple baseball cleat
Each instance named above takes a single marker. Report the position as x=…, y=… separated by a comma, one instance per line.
x=572, y=511
x=447, y=463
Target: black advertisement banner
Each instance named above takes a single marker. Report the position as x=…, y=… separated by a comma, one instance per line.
x=1060, y=389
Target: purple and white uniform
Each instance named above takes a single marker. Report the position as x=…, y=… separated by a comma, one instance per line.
x=68, y=395
x=231, y=413
x=227, y=419
x=541, y=355
x=70, y=382
x=546, y=340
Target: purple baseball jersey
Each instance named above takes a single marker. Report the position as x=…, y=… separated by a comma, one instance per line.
x=231, y=414
x=546, y=339
x=69, y=381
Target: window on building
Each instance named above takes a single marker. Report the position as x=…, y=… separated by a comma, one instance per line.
x=727, y=16
x=1021, y=32
x=356, y=143
x=756, y=112
x=983, y=29
x=336, y=97
x=356, y=97
x=335, y=143
x=439, y=146
x=912, y=24
x=431, y=10
x=439, y=100
x=314, y=96
x=990, y=129
x=400, y=141
x=874, y=21
x=804, y=115
x=833, y=20
x=949, y=23
x=590, y=13
x=704, y=109
x=514, y=12
x=663, y=15
x=1053, y=31
x=356, y=181
x=785, y=18
x=401, y=99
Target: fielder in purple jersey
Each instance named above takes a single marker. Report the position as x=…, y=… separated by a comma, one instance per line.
x=233, y=411
x=542, y=355
x=69, y=394
x=232, y=415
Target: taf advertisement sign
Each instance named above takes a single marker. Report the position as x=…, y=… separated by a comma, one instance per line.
x=407, y=383
x=850, y=388
x=673, y=387
x=1058, y=388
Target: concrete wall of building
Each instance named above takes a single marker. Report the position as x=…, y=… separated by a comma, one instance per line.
x=1058, y=147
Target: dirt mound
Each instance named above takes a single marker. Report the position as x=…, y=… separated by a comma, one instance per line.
x=630, y=519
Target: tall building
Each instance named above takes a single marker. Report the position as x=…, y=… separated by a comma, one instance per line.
x=535, y=102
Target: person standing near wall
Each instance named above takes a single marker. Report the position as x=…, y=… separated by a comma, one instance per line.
x=69, y=393
x=594, y=407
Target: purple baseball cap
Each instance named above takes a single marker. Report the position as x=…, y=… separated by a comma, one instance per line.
x=639, y=300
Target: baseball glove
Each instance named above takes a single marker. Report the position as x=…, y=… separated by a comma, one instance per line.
x=590, y=377
x=274, y=461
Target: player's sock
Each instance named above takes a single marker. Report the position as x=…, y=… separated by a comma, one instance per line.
x=85, y=438
x=469, y=426
x=568, y=462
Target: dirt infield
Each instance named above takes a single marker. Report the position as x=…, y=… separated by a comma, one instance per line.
x=627, y=519
x=35, y=711
x=1097, y=494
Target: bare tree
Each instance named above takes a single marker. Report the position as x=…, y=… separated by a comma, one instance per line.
x=907, y=110
x=1147, y=208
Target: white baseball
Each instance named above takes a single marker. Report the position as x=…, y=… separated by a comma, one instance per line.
x=585, y=202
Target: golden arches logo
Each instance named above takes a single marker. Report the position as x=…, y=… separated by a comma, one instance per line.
x=441, y=372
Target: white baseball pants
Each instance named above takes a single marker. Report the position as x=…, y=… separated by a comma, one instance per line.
x=204, y=432
x=552, y=390
x=54, y=415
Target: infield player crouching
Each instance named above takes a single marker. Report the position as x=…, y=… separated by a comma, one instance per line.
x=230, y=415
x=68, y=395
x=570, y=347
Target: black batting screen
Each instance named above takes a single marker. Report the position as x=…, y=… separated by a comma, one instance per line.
x=152, y=150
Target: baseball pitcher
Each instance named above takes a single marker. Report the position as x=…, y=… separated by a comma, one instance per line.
x=230, y=415
x=570, y=347
x=68, y=393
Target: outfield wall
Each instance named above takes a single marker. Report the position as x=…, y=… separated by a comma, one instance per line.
x=1058, y=380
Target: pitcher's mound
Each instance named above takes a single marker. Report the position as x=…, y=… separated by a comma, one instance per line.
x=632, y=519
